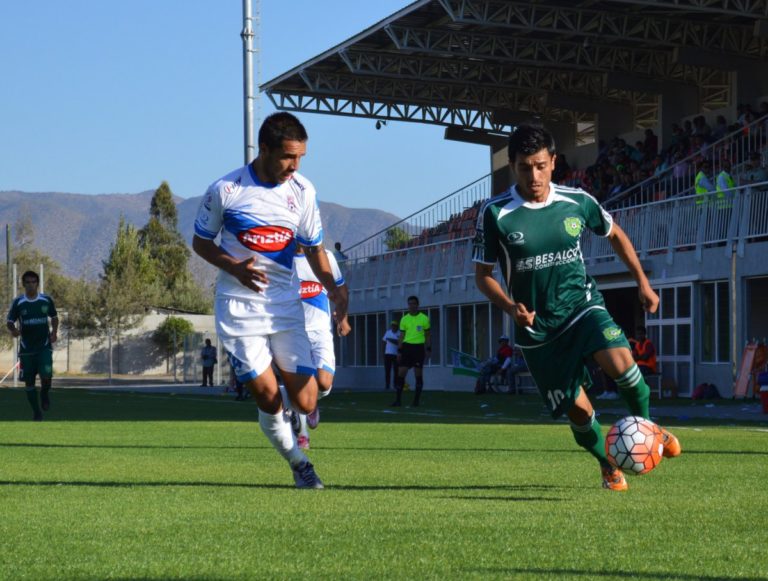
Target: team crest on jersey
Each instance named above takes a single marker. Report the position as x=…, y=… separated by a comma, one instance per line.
x=516, y=238
x=612, y=333
x=266, y=238
x=310, y=289
x=291, y=202
x=572, y=226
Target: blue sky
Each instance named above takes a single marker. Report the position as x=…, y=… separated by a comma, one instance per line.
x=107, y=96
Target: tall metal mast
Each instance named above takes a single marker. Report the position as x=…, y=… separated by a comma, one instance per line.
x=249, y=33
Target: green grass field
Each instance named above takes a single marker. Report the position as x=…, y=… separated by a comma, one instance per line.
x=133, y=486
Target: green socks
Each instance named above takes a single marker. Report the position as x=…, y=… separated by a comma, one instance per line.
x=590, y=437
x=33, y=401
x=635, y=391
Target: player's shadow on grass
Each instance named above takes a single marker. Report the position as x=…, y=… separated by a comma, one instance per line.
x=617, y=574
x=237, y=447
x=271, y=486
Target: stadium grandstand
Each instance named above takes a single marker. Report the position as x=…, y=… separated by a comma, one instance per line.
x=645, y=98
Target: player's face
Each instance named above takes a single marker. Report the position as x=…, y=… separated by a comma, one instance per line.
x=534, y=174
x=30, y=286
x=280, y=163
x=413, y=307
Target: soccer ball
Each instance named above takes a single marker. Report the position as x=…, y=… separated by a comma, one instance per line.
x=634, y=444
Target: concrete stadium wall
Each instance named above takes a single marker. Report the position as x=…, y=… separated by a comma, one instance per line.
x=135, y=353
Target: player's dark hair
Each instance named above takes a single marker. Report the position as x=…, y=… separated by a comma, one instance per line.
x=413, y=298
x=30, y=274
x=641, y=329
x=281, y=126
x=529, y=139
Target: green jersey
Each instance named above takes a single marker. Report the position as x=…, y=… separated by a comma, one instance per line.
x=33, y=315
x=538, y=248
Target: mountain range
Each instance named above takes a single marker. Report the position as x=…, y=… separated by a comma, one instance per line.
x=78, y=230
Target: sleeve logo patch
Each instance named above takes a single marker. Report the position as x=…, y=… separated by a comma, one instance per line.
x=612, y=333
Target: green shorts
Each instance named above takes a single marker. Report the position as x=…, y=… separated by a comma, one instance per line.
x=34, y=364
x=558, y=367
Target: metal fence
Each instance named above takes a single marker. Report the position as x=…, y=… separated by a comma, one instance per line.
x=449, y=217
x=684, y=223
x=678, y=179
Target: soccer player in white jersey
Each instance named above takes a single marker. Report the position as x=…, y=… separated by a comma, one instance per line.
x=533, y=231
x=318, y=323
x=261, y=212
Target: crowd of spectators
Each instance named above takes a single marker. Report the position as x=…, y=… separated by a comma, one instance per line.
x=620, y=166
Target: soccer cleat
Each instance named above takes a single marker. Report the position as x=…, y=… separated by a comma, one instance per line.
x=613, y=479
x=45, y=401
x=303, y=443
x=305, y=477
x=671, y=444
x=313, y=419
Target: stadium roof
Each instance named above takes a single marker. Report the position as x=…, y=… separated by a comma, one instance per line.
x=486, y=64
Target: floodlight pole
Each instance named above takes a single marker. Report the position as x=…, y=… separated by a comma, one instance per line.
x=248, y=97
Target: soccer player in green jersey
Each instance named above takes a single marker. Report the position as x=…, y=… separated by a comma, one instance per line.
x=33, y=310
x=533, y=231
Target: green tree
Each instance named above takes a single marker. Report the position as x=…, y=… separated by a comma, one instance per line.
x=166, y=247
x=170, y=335
x=128, y=284
x=396, y=237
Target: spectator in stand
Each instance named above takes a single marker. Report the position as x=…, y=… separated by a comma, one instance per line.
x=753, y=171
x=651, y=143
x=720, y=129
x=337, y=253
x=703, y=183
x=701, y=129
x=725, y=182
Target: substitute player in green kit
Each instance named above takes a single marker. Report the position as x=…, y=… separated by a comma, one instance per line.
x=33, y=310
x=533, y=231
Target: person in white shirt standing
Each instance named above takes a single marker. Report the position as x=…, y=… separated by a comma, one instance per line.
x=261, y=211
x=318, y=324
x=391, y=340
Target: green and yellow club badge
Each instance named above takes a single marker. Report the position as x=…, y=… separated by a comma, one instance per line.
x=572, y=226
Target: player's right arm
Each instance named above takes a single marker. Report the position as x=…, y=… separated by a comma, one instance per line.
x=243, y=270
x=11, y=321
x=490, y=287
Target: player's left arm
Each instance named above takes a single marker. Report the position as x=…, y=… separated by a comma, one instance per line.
x=338, y=295
x=624, y=249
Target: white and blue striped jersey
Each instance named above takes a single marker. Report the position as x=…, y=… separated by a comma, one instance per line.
x=264, y=221
x=314, y=297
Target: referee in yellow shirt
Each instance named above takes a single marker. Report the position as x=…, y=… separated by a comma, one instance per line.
x=415, y=343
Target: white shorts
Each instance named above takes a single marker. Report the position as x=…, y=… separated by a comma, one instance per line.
x=322, y=350
x=251, y=353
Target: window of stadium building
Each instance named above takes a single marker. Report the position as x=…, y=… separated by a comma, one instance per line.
x=364, y=347
x=474, y=329
x=715, y=334
x=671, y=331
